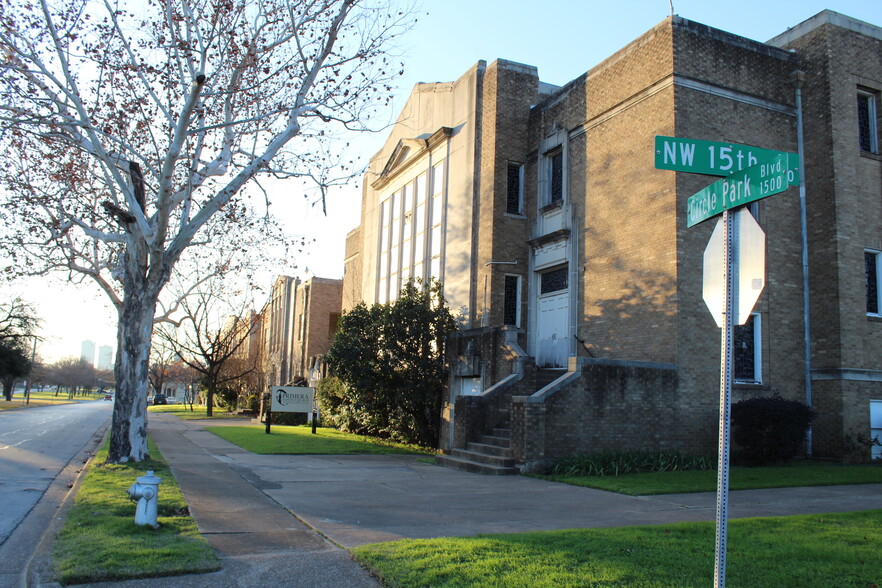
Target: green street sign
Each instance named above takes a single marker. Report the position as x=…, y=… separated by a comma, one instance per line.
x=714, y=158
x=741, y=188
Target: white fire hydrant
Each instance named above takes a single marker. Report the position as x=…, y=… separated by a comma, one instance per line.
x=146, y=491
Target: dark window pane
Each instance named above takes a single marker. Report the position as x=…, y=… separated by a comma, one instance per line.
x=553, y=281
x=513, y=201
x=871, y=269
x=865, y=129
x=557, y=176
x=744, y=356
x=510, y=301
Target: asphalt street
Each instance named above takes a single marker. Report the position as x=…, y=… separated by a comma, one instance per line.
x=37, y=448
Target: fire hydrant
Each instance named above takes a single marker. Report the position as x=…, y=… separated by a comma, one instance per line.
x=145, y=491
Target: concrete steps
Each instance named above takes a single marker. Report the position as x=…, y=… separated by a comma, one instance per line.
x=490, y=455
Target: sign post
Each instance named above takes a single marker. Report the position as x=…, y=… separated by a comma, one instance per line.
x=749, y=174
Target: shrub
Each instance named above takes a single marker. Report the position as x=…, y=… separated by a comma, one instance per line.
x=768, y=430
x=614, y=463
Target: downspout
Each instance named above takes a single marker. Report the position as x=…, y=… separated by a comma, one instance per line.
x=798, y=79
x=304, y=327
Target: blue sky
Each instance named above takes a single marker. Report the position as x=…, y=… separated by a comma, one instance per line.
x=565, y=38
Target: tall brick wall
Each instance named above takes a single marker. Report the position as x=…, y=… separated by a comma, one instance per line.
x=509, y=91
x=845, y=217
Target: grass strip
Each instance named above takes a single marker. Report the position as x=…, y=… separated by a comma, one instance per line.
x=805, y=473
x=183, y=411
x=299, y=440
x=808, y=551
x=100, y=541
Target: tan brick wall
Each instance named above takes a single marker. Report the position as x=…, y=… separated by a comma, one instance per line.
x=845, y=217
x=318, y=304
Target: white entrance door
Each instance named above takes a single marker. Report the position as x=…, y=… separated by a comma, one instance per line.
x=552, y=341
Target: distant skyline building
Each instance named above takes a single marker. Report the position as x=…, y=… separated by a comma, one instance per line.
x=105, y=357
x=87, y=352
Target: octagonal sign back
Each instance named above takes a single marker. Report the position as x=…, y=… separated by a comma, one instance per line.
x=750, y=268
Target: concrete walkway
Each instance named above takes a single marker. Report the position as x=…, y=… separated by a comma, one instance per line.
x=282, y=520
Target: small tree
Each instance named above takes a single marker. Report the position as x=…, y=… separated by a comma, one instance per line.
x=769, y=430
x=210, y=349
x=18, y=323
x=390, y=357
x=14, y=364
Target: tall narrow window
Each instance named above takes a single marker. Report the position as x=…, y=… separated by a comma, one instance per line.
x=746, y=356
x=511, y=300
x=872, y=261
x=555, y=176
x=514, y=200
x=867, y=118
x=876, y=428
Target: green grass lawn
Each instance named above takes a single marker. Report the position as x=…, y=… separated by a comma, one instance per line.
x=45, y=398
x=803, y=473
x=807, y=551
x=100, y=541
x=299, y=440
x=183, y=410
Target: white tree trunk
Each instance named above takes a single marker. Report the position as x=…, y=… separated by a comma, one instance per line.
x=128, y=440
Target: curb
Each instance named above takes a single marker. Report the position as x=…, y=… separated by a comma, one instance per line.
x=37, y=569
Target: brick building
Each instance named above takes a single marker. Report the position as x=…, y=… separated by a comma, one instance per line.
x=316, y=314
x=567, y=257
x=297, y=325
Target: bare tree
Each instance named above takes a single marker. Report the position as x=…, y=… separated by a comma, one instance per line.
x=127, y=138
x=211, y=349
x=72, y=374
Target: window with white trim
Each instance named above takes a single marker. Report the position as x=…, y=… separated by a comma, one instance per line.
x=511, y=301
x=553, y=280
x=515, y=189
x=873, y=273
x=876, y=428
x=411, y=233
x=554, y=169
x=747, y=351
x=867, y=111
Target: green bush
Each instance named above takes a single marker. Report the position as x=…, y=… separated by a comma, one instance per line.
x=614, y=463
x=391, y=359
x=768, y=430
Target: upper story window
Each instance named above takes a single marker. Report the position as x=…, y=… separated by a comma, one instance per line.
x=867, y=109
x=555, y=176
x=872, y=263
x=515, y=191
x=411, y=236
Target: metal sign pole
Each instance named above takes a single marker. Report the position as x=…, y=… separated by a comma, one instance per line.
x=731, y=309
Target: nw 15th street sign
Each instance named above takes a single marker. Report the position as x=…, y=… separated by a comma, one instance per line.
x=715, y=158
x=738, y=189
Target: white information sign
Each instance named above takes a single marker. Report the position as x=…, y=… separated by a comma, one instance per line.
x=292, y=399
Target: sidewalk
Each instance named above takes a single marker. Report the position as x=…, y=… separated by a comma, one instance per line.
x=282, y=520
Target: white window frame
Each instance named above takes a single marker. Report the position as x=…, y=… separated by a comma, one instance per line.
x=549, y=173
x=876, y=428
x=873, y=115
x=757, y=352
x=878, y=255
x=518, y=294
x=520, y=166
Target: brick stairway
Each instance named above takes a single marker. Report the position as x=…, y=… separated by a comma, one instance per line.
x=489, y=455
